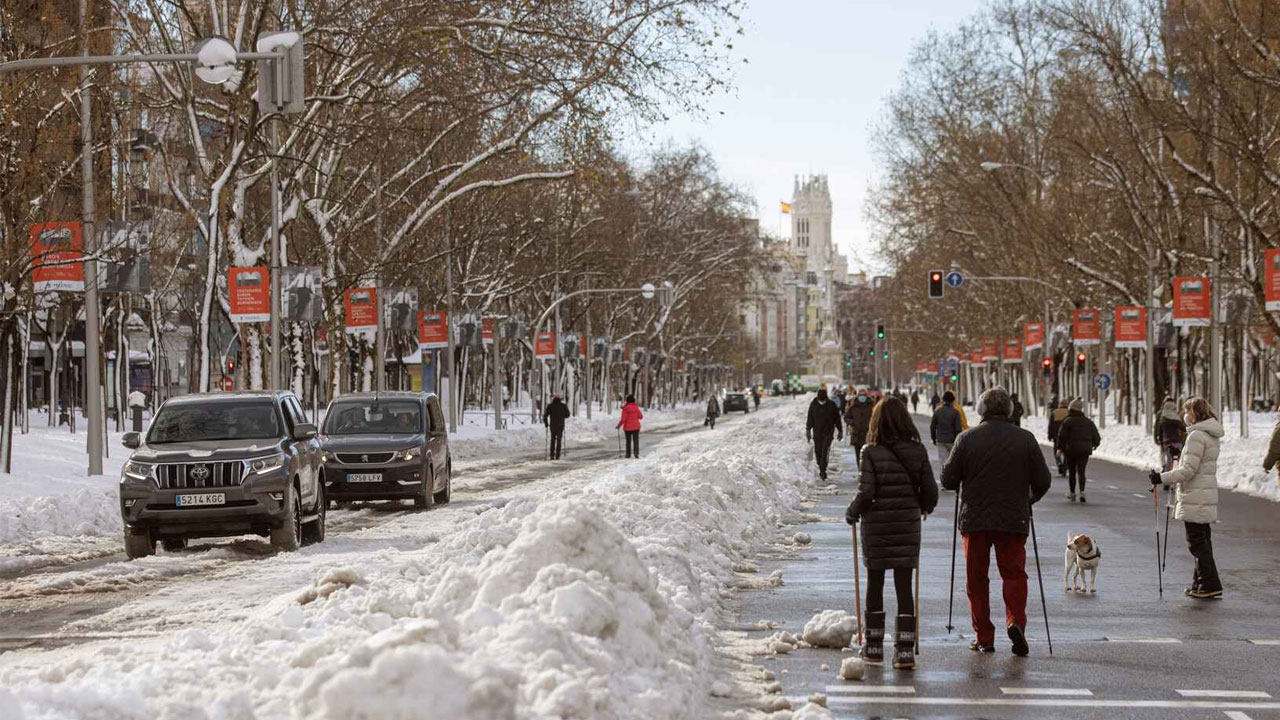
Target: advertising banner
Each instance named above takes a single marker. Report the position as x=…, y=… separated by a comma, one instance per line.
x=57, y=256
x=300, y=301
x=1033, y=336
x=470, y=331
x=401, y=309
x=433, y=330
x=488, y=326
x=249, y=293
x=990, y=350
x=1191, y=302
x=1087, y=328
x=1271, y=274
x=131, y=274
x=1012, y=350
x=544, y=346
x=975, y=355
x=361, y=306
x=1131, y=326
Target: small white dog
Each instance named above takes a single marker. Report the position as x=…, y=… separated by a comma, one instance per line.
x=1083, y=554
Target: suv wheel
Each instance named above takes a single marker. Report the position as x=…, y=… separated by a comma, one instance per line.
x=426, y=499
x=288, y=536
x=173, y=544
x=138, y=546
x=313, y=532
x=442, y=497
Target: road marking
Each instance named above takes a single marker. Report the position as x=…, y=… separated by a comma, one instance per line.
x=1046, y=691
x=1053, y=702
x=1112, y=487
x=1142, y=639
x=1256, y=694
x=1265, y=642
x=1139, y=496
x=1237, y=715
x=898, y=689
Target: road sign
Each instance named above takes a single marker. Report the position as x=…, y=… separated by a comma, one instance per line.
x=955, y=279
x=1102, y=381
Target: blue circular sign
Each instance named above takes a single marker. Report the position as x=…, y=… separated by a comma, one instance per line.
x=955, y=279
x=1102, y=381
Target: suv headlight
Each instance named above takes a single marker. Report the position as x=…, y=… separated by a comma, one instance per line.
x=137, y=471
x=409, y=454
x=326, y=456
x=264, y=465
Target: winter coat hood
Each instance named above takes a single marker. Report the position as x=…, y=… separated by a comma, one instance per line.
x=1196, y=475
x=1212, y=426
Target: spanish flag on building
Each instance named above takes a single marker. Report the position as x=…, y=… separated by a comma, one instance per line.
x=786, y=207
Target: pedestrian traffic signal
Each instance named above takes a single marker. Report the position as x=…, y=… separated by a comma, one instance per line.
x=880, y=332
x=935, y=284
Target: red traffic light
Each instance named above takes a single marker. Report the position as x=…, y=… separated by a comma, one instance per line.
x=1080, y=357
x=231, y=366
x=1047, y=363
x=936, y=276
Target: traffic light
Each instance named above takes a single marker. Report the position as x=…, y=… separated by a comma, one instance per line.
x=1047, y=365
x=231, y=367
x=848, y=363
x=886, y=355
x=1081, y=357
x=935, y=284
x=879, y=332
x=955, y=377
x=871, y=352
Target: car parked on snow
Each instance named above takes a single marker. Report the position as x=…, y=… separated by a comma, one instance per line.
x=736, y=401
x=223, y=464
x=387, y=446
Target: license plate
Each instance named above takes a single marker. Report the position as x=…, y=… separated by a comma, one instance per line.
x=364, y=477
x=201, y=499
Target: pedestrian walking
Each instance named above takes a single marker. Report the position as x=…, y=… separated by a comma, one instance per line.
x=713, y=412
x=822, y=423
x=934, y=402
x=858, y=417
x=1055, y=421
x=999, y=471
x=1077, y=437
x=838, y=399
x=755, y=397
x=1018, y=410
x=630, y=424
x=137, y=403
x=945, y=426
x=1195, y=485
x=915, y=401
x=896, y=492
x=553, y=418
x=1171, y=433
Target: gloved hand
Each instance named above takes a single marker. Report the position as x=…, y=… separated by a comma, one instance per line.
x=808, y=436
x=850, y=516
x=1154, y=477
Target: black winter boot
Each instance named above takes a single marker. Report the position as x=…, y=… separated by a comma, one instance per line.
x=904, y=643
x=873, y=644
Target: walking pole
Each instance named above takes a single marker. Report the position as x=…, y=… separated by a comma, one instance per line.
x=857, y=583
x=951, y=594
x=1155, y=498
x=918, y=600
x=619, y=441
x=1165, y=555
x=1035, y=545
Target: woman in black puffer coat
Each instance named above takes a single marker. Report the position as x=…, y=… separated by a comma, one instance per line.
x=896, y=491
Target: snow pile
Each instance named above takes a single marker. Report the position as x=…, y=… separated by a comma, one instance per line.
x=852, y=668
x=830, y=629
x=1239, y=461
x=476, y=439
x=595, y=598
x=812, y=711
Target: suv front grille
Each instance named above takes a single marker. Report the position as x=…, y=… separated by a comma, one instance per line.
x=373, y=458
x=186, y=476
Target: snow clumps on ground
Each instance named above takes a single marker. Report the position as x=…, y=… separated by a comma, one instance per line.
x=830, y=629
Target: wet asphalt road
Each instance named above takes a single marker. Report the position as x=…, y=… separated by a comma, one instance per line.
x=1124, y=652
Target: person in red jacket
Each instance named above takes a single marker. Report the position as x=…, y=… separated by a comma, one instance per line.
x=630, y=424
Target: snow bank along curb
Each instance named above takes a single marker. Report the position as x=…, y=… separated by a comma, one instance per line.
x=596, y=601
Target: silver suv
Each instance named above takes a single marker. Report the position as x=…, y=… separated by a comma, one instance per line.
x=223, y=464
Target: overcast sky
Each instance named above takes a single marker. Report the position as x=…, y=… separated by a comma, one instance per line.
x=817, y=77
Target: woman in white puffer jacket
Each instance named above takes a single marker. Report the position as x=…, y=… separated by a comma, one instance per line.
x=1196, y=480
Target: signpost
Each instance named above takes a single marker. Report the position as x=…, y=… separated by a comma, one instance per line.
x=955, y=279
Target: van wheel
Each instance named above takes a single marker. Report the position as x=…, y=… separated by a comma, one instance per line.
x=173, y=544
x=313, y=532
x=138, y=546
x=426, y=499
x=288, y=536
x=442, y=497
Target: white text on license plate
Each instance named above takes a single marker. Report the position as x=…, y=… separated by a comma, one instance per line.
x=201, y=499
x=364, y=477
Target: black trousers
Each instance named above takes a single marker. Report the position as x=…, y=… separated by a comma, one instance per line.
x=901, y=587
x=822, y=452
x=633, y=442
x=1075, y=470
x=857, y=453
x=557, y=443
x=1200, y=543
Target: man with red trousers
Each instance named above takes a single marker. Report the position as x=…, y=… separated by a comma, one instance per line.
x=999, y=471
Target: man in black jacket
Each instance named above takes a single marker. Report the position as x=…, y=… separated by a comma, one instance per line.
x=945, y=425
x=554, y=416
x=822, y=424
x=999, y=471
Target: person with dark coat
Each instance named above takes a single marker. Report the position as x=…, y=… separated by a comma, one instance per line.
x=945, y=426
x=896, y=492
x=999, y=471
x=857, y=415
x=915, y=401
x=630, y=424
x=822, y=423
x=1018, y=410
x=1077, y=437
x=713, y=412
x=934, y=402
x=1055, y=421
x=553, y=417
x=1170, y=433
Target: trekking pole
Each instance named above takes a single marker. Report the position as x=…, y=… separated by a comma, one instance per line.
x=857, y=583
x=918, y=568
x=619, y=441
x=1155, y=498
x=1035, y=546
x=1165, y=555
x=951, y=594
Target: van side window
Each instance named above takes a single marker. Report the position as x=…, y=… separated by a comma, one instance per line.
x=431, y=419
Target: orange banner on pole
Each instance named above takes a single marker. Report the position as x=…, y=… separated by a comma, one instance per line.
x=990, y=350
x=1191, y=301
x=1087, y=328
x=433, y=330
x=361, y=309
x=57, y=256
x=544, y=346
x=249, y=294
x=1131, y=326
x=1013, y=350
x=488, y=328
x=1271, y=275
x=1032, y=336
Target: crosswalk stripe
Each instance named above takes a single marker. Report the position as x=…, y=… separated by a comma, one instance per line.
x=895, y=689
x=1046, y=691
x=1237, y=715
x=1256, y=694
x=1265, y=642
x=1057, y=702
x=1141, y=497
x=1142, y=639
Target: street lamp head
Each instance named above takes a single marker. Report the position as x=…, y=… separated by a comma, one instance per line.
x=648, y=291
x=215, y=60
x=990, y=166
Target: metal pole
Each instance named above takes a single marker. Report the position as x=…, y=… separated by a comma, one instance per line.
x=590, y=346
x=1244, y=370
x=1215, y=329
x=92, y=352
x=446, y=367
x=380, y=334
x=497, y=375
x=1149, y=398
x=276, y=318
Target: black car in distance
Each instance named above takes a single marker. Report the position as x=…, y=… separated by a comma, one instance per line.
x=387, y=446
x=736, y=401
